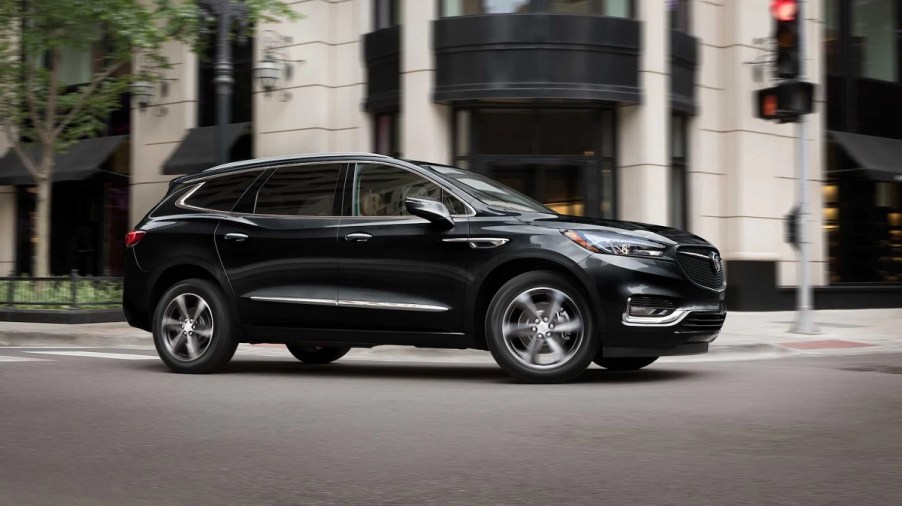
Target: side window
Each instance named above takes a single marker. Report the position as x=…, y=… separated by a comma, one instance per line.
x=221, y=193
x=308, y=190
x=381, y=190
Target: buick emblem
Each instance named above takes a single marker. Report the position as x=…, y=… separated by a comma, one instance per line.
x=716, y=264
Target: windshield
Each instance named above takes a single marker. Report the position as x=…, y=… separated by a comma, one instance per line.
x=492, y=192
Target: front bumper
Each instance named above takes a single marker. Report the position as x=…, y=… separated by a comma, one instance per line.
x=617, y=279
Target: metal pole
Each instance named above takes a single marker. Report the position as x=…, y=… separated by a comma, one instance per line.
x=223, y=80
x=804, y=318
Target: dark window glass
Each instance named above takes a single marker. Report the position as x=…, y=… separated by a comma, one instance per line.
x=242, y=98
x=875, y=38
x=678, y=159
x=679, y=14
x=221, y=193
x=299, y=191
x=386, y=141
x=452, y=8
x=582, y=7
x=386, y=13
x=380, y=190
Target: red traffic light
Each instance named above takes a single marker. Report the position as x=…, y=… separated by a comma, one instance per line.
x=784, y=10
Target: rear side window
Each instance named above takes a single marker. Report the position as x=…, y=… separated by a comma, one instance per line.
x=221, y=193
x=307, y=190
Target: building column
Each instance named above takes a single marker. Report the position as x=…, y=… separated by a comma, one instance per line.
x=155, y=137
x=426, y=126
x=7, y=230
x=643, y=172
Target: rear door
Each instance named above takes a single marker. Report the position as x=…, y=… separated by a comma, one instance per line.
x=280, y=253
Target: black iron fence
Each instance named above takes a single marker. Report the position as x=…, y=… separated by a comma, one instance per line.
x=66, y=292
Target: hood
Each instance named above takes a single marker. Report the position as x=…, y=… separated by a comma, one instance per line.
x=664, y=235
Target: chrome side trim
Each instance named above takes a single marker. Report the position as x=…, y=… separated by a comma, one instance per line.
x=699, y=255
x=296, y=300
x=480, y=242
x=653, y=321
x=401, y=306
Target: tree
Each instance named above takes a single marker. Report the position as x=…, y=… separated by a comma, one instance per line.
x=40, y=114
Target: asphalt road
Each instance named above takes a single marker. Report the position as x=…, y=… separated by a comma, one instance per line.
x=104, y=430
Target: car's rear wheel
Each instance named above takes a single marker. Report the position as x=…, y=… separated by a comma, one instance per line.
x=539, y=328
x=193, y=330
x=625, y=363
x=317, y=354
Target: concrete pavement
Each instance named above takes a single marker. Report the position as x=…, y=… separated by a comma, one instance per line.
x=745, y=335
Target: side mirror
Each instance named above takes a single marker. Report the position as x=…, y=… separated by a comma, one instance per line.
x=436, y=212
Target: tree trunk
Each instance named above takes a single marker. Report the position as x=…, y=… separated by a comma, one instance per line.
x=40, y=266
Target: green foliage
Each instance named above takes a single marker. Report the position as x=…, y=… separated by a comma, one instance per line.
x=57, y=293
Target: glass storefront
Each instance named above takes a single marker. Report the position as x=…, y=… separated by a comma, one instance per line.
x=613, y=8
x=562, y=157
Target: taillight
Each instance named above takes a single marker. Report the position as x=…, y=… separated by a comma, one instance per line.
x=133, y=237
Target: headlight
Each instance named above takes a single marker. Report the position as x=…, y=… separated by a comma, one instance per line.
x=612, y=243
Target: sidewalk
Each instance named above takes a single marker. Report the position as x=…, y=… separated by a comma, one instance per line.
x=745, y=335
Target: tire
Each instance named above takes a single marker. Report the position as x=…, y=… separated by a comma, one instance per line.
x=208, y=341
x=625, y=363
x=521, y=345
x=317, y=354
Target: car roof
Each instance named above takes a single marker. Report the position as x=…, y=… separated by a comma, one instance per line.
x=262, y=162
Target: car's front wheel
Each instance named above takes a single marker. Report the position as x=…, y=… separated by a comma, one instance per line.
x=317, y=354
x=193, y=330
x=625, y=363
x=539, y=328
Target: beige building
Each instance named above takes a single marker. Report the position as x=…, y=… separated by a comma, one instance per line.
x=636, y=110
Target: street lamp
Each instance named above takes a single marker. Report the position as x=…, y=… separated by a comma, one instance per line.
x=142, y=93
x=268, y=73
x=227, y=13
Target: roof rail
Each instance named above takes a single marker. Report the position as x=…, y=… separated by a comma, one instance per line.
x=283, y=158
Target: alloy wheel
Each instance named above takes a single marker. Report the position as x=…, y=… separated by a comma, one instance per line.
x=187, y=327
x=542, y=328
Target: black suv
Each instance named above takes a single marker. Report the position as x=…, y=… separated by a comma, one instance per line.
x=328, y=252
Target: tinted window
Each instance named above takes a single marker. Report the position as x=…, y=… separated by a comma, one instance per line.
x=221, y=193
x=380, y=190
x=299, y=191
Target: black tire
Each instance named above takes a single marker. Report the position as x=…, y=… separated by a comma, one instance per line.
x=517, y=345
x=216, y=337
x=317, y=354
x=625, y=363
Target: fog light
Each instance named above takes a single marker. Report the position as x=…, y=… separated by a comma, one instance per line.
x=649, y=311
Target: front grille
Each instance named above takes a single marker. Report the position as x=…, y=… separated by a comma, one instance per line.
x=700, y=269
x=703, y=321
x=651, y=301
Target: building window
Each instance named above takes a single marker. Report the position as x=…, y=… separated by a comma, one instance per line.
x=678, y=164
x=242, y=72
x=875, y=38
x=679, y=15
x=386, y=134
x=386, y=13
x=613, y=8
x=562, y=157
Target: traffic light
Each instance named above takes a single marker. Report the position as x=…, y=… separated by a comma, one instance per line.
x=786, y=34
x=785, y=102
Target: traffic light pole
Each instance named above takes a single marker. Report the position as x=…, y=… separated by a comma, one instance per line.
x=804, y=323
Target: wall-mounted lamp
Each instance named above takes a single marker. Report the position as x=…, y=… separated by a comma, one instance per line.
x=144, y=90
x=275, y=64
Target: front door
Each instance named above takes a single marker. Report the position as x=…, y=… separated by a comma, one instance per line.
x=399, y=272
x=281, y=254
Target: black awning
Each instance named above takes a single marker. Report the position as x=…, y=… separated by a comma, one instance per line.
x=879, y=158
x=197, y=151
x=80, y=161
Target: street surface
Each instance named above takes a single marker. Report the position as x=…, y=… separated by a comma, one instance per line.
x=112, y=426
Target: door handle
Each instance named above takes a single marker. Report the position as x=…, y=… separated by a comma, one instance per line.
x=235, y=236
x=358, y=237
